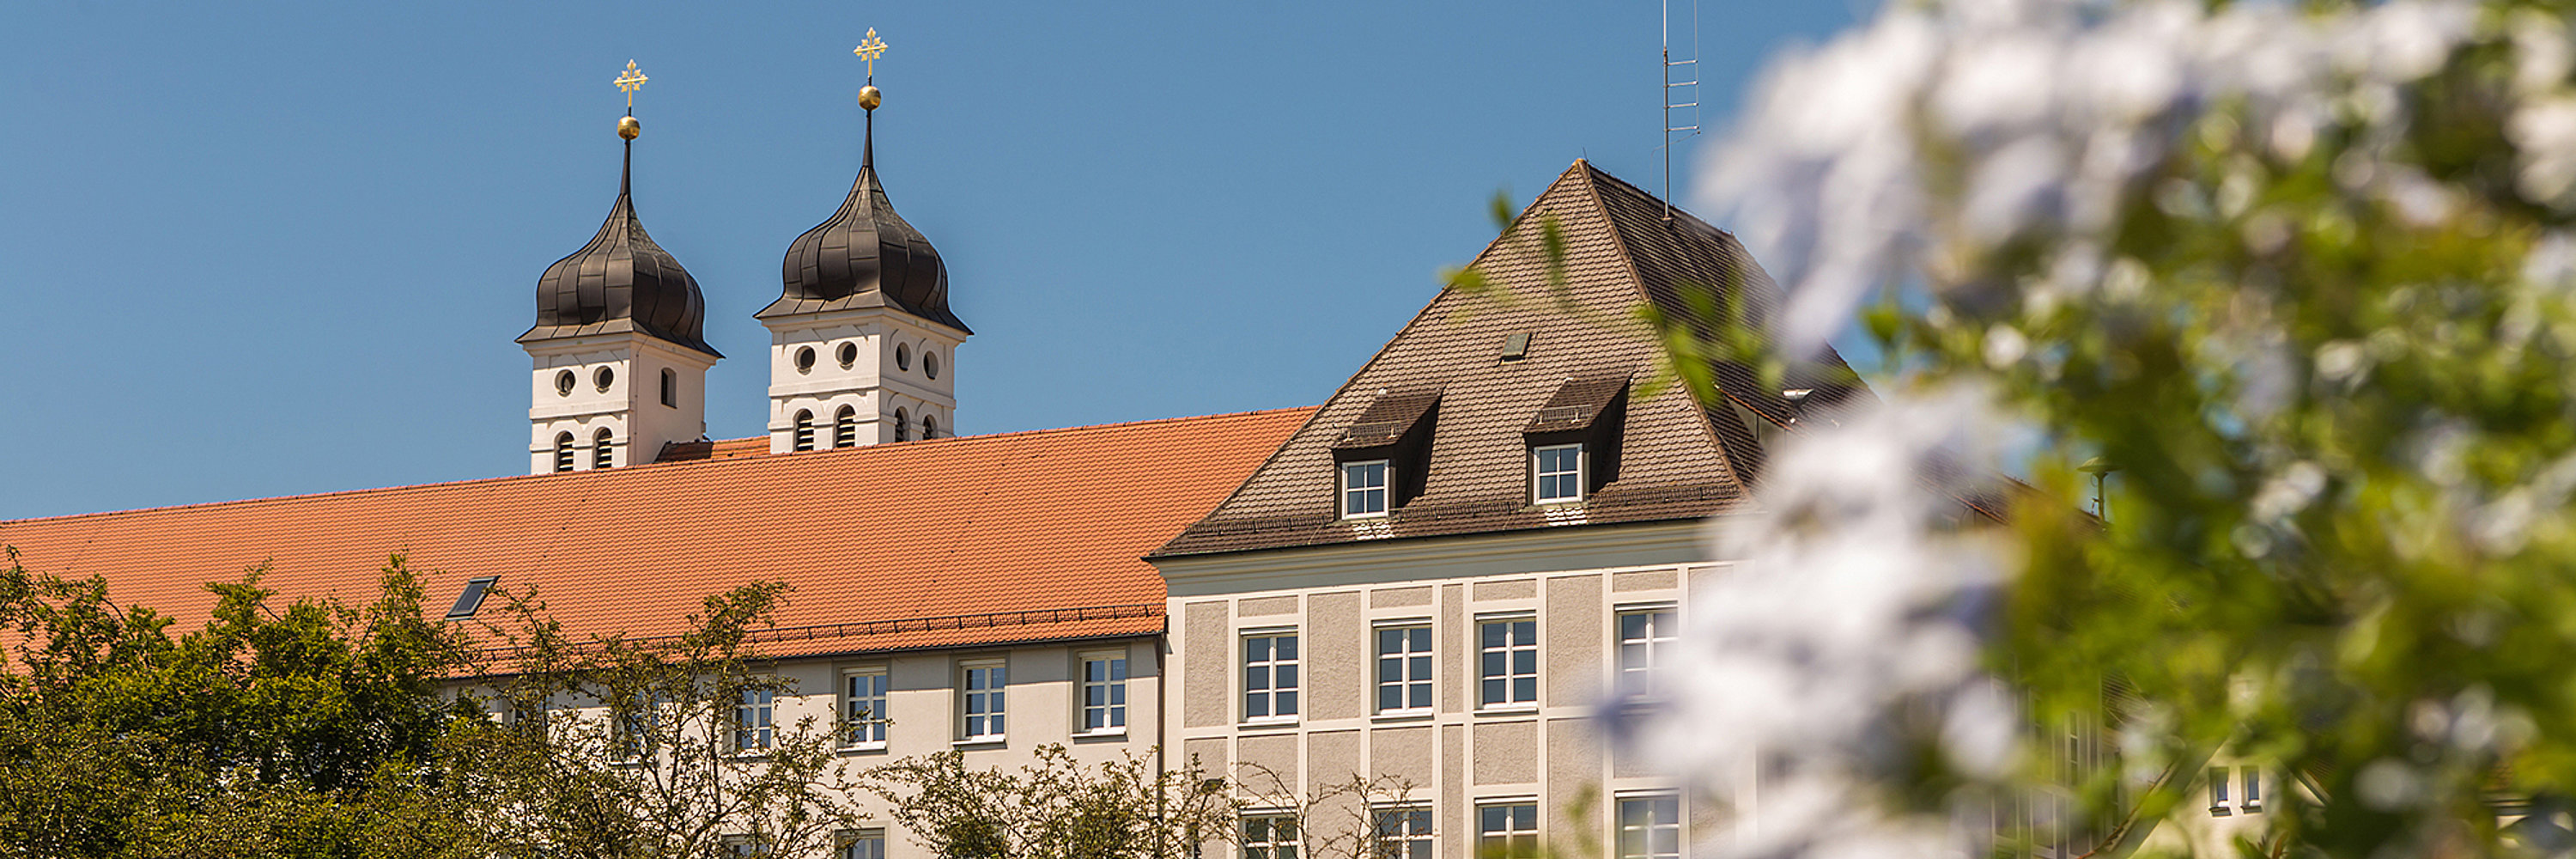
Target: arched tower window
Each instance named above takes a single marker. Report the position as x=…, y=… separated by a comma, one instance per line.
x=929, y=426
x=902, y=426
x=845, y=427
x=603, y=449
x=563, y=451
x=804, y=430
x=670, y=387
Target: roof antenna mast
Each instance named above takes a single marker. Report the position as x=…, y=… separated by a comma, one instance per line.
x=1670, y=86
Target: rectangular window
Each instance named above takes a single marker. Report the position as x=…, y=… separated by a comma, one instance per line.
x=1507, y=829
x=985, y=683
x=1270, y=677
x=1404, y=832
x=863, y=708
x=2218, y=792
x=1650, y=827
x=631, y=727
x=1507, y=662
x=1269, y=836
x=1364, y=489
x=1559, y=472
x=743, y=847
x=2253, y=789
x=863, y=844
x=1403, y=669
x=1645, y=642
x=754, y=720
x=1104, y=693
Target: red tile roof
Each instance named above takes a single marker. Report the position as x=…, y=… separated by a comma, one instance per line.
x=1011, y=537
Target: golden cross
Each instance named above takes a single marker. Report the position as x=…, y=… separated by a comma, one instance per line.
x=868, y=50
x=631, y=81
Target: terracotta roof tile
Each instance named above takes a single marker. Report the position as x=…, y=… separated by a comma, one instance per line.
x=879, y=542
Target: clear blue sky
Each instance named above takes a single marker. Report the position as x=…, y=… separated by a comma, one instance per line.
x=273, y=248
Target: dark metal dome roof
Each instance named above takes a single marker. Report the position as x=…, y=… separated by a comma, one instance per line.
x=621, y=281
x=865, y=256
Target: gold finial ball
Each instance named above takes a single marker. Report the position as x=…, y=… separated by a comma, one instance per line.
x=628, y=128
x=870, y=97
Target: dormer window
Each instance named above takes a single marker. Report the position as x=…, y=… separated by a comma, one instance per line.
x=1558, y=472
x=1364, y=489
x=1383, y=459
x=1574, y=439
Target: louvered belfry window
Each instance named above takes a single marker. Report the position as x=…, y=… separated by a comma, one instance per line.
x=845, y=428
x=804, y=430
x=563, y=451
x=603, y=450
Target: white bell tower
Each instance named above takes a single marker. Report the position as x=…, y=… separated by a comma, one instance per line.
x=862, y=344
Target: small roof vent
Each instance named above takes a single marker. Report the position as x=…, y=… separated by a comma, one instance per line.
x=1516, y=346
x=472, y=599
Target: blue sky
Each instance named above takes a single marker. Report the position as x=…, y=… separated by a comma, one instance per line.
x=274, y=248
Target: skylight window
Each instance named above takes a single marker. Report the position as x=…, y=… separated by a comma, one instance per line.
x=472, y=599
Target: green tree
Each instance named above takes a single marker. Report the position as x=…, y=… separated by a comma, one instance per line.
x=1056, y=808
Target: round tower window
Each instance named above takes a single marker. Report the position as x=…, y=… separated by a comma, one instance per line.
x=930, y=363
x=563, y=383
x=804, y=358
x=849, y=355
x=903, y=357
x=603, y=378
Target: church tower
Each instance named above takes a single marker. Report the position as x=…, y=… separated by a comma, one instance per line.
x=862, y=345
x=619, y=349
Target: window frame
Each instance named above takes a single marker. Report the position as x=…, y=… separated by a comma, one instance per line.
x=2218, y=779
x=1539, y=474
x=1645, y=682
x=801, y=438
x=1426, y=660
x=1270, y=844
x=670, y=388
x=1415, y=829
x=1511, y=673
x=1619, y=827
x=850, y=838
x=763, y=701
x=1117, y=706
x=634, y=729
x=1344, y=491
x=996, y=700
x=603, y=449
x=845, y=427
x=564, y=460
x=1528, y=839
x=1271, y=688
x=856, y=737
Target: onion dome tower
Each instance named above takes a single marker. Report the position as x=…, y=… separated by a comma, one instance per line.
x=619, y=348
x=862, y=342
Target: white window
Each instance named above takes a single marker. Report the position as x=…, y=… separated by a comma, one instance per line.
x=1404, y=832
x=754, y=720
x=1403, y=669
x=863, y=708
x=984, y=684
x=1269, y=836
x=744, y=846
x=1559, y=472
x=1507, y=662
x=2218, y=792
x=863, y=844
x=2253, y=803
x=1650, y=827
x=1364, y=488
x=1645, y=643
x=1507, y=829
x=670, y=388
x=1270, y=676
x=1104, y=693
x=631, y=727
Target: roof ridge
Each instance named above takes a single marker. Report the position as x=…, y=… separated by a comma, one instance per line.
x=4, y=523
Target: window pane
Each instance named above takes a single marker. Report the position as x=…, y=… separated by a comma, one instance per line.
x=1287, y=645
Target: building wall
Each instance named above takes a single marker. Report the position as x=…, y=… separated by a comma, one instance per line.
x=630, y=407
x=874, y=384
x=1042, y=701
x=1459, y=754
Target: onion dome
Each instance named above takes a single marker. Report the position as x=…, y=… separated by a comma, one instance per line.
x=865, y=256
x=621, y=281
